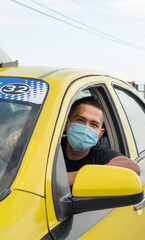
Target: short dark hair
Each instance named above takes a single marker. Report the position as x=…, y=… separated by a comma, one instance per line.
x=86, y=100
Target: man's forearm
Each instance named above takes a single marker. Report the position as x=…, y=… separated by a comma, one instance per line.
x=126, y=163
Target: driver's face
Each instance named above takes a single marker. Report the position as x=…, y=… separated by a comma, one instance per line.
x=88, y=115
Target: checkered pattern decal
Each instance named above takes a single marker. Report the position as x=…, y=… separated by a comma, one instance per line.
x=20, y=89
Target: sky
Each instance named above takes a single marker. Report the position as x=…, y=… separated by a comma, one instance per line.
x=102, y=35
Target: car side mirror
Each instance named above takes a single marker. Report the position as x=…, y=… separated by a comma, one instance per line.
x=100, y=187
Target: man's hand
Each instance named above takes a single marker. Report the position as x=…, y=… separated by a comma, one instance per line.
x=13, y=139
x=71, y=177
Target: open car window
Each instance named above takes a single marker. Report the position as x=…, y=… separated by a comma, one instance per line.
x=113, y=137
x=20, y=103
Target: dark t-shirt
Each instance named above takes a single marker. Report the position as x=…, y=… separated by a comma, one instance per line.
x=97, y=155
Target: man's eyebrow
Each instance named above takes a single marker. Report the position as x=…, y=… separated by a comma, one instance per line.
x=96, y=122
x=80, y=116
x=92, y=121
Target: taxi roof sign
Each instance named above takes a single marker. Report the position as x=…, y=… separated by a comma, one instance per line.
x=5, y=60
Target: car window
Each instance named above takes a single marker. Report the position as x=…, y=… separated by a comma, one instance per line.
x=114, y=136
x=20, y=105
x=135, y=112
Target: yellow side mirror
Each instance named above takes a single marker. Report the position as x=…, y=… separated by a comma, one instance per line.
x=99, y=187
x=99, y=180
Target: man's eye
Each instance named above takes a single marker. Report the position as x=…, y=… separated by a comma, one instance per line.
x=80, y=120
x=94, y=125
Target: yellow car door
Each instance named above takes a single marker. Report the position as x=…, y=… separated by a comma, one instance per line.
x=119, y=223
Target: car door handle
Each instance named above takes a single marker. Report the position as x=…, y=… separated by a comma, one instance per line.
x=140, y=205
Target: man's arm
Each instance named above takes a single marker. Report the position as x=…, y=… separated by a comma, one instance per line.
x=120, y=161
x=71, y=177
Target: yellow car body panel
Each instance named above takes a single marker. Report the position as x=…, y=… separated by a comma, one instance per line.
x=108, y=228
x=32, y=72
x=29, y=209
x=23, y=216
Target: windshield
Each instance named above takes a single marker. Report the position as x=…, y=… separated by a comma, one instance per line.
x=20, y=103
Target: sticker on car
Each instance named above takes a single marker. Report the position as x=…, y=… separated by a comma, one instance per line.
x=22, y=89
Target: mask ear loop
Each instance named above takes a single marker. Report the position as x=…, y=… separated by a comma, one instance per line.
x=65, y=134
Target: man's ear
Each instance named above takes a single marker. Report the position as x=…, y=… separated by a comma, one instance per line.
x=101, y=133
x=66, y=125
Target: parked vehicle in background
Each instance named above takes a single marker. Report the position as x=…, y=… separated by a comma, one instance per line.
x=140, y=87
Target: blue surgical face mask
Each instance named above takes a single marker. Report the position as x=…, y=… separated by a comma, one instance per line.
x=82, y=137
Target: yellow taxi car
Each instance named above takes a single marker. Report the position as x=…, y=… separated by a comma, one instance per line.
x=35, y=198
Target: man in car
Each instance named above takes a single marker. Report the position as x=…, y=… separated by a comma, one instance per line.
x=83, y=130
